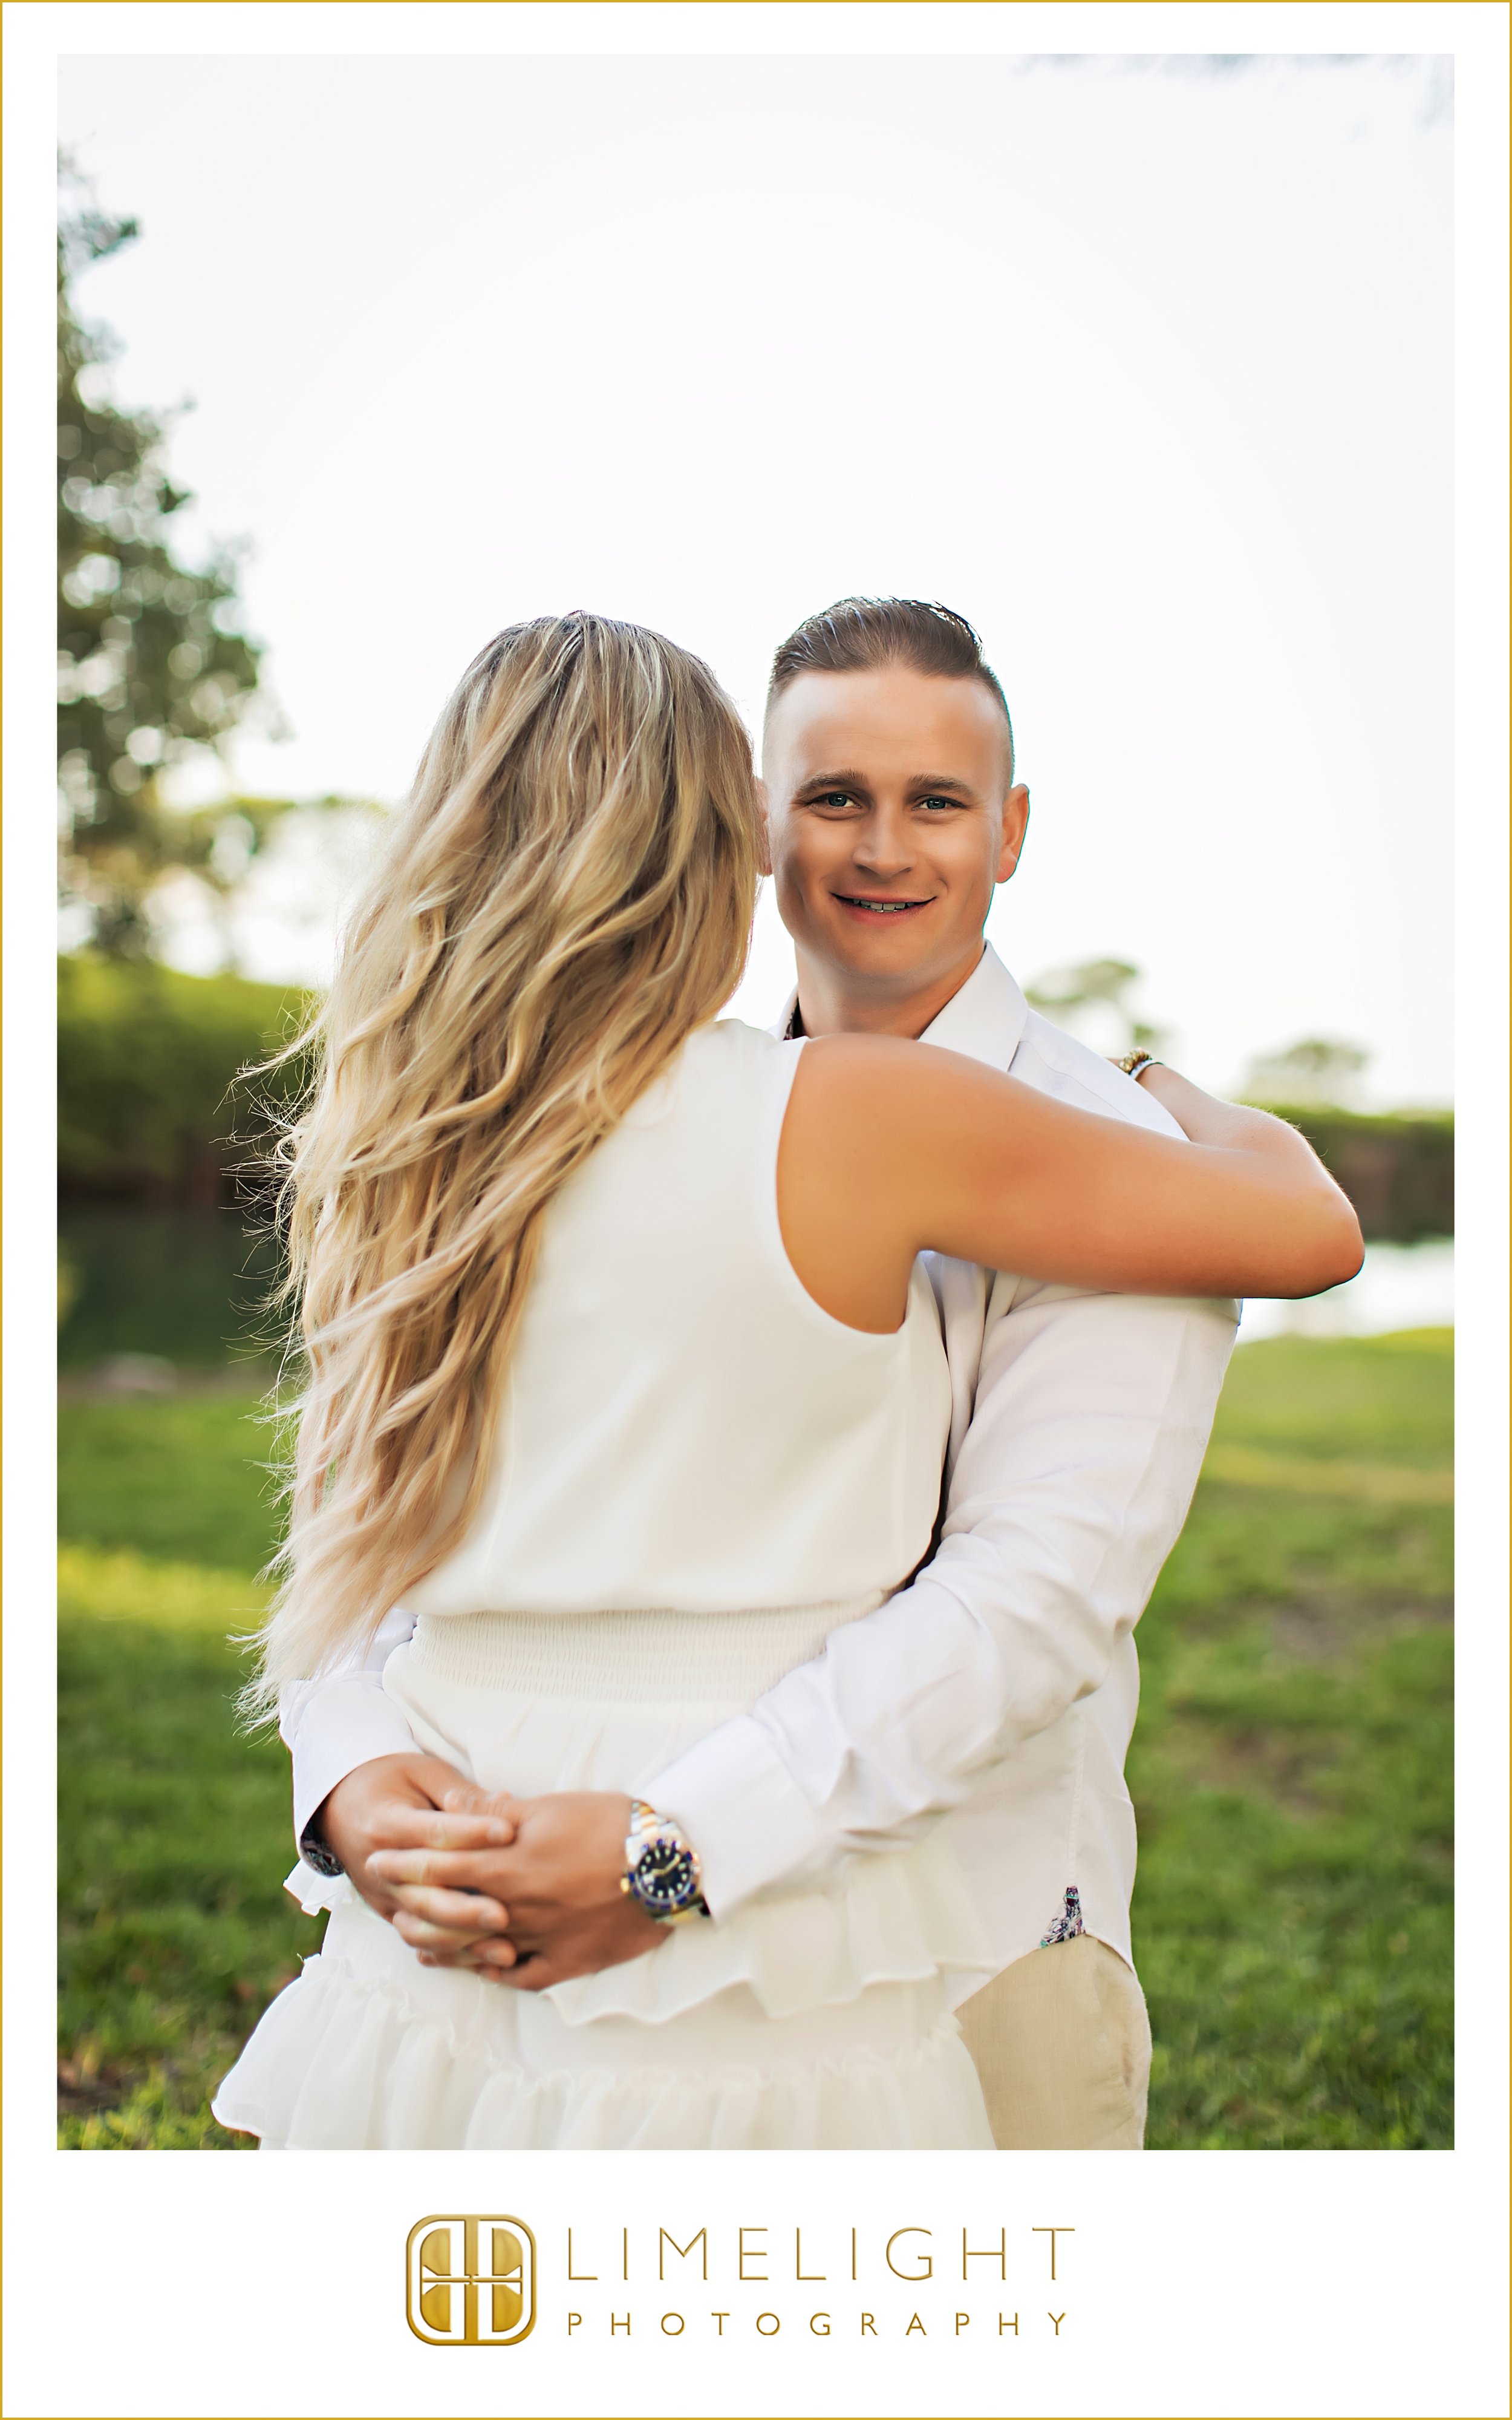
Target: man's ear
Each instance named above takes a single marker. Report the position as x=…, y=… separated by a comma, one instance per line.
x=763, y=862
x=1015, y=824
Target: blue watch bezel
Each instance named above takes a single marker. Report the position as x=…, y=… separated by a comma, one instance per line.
x=674, y=1883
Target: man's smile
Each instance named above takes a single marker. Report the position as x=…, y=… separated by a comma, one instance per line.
x=892, y=815
x=867, y=906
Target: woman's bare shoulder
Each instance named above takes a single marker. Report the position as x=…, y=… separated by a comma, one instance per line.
x=860, y=1076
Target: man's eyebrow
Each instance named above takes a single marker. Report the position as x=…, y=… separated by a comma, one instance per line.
x=846, y=779
x=942, y=781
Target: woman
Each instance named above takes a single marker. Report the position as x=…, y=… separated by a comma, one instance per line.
x=623, y=1380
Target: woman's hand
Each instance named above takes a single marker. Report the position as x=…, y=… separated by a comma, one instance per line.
x=1223, y=1126
x=557, y=1881
x=419, y=1804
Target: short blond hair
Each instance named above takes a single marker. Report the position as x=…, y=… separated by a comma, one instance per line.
x=862, y=633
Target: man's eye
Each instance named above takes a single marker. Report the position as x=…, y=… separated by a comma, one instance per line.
x=950, y=806
x=836, y=798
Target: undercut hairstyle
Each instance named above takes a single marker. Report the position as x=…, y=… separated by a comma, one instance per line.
x=860, y=634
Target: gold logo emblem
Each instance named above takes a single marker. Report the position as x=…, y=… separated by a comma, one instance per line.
x=471, y=2281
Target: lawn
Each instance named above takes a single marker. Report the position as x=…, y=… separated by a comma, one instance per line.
x=1291, y=1767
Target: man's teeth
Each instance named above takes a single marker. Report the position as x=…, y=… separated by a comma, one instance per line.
x=884, y=907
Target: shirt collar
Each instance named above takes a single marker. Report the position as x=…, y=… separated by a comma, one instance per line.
x=984, y=1020
x=986, y=1017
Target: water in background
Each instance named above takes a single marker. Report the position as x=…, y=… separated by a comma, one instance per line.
x=1401, y=1285
x=185, y=1286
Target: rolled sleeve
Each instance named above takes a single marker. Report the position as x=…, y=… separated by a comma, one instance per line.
x=348, y=1723
x=751, y=1821
x=343, y=1719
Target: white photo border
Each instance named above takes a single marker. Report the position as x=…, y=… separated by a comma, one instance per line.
x=1303, y=2282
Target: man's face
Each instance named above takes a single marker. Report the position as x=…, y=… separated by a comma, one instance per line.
x=890, y=817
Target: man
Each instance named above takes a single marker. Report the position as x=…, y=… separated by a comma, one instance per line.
x=996, y=1694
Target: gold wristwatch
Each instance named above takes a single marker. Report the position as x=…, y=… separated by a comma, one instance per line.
x=661, y=1867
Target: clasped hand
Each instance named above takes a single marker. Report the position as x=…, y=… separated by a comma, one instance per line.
x=525, y=1890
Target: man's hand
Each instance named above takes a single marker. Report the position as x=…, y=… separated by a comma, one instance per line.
x=559, y=1879
x=423, y=1806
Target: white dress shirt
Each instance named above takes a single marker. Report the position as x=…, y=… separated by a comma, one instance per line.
x=996, y=1695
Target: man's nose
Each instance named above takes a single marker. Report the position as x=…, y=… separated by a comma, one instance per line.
x=883, y=844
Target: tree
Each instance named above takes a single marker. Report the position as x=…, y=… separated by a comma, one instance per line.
x=1315, y=1074
x=153, y=661
x=1098, y=983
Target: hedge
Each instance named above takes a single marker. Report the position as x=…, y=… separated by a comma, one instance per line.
x=149, y=1106
x=1397, y=1169
x=150, y=1111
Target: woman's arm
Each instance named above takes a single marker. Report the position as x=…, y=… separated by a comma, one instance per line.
x=976, y=1165
x=1223, y=1125
x=889, y=1150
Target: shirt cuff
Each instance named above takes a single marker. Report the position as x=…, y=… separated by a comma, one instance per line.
x=348, y=1723
x=741, y=1809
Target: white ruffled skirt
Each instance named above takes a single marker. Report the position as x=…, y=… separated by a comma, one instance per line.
x=812, y=2018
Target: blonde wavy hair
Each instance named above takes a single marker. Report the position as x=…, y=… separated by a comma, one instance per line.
x=568, y=894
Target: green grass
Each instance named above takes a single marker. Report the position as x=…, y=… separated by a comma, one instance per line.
x=174, y=1839
x=180, y=1477
x=173, y=1835
x=1291, y=1768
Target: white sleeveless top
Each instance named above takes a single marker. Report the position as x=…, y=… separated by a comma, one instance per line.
x=684, y=1429
x=700, y=1476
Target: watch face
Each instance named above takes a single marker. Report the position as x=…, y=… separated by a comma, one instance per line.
x=665, y=1876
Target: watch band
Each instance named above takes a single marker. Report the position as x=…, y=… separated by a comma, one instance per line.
x=316, y=1851
x=661, y=1868
x=1134, y=1063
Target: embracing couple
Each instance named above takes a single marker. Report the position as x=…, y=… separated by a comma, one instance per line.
x=730, y=1465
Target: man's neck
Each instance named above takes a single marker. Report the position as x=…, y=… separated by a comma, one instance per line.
x=832, y=1001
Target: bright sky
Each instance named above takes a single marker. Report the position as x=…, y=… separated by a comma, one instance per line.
x=1144, y=365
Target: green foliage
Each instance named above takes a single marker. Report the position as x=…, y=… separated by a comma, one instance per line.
x=153, y=662
x=1397, y=1169
x=189, y=1286
x=1324, y=1073
x=1097, y=983
x=148, y=1102
x=1291, y=1767
x=1095, y=979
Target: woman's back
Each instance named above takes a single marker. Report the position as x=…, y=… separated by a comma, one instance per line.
x=700, y=1476
x=684, y=1427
